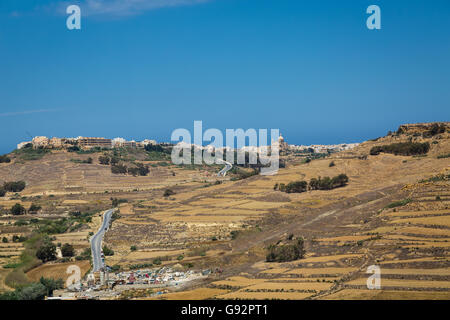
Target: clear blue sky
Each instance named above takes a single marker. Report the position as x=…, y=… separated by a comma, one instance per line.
x=140, y=69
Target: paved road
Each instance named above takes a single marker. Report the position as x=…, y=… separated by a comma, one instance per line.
x=96, y=241
x=223, y=172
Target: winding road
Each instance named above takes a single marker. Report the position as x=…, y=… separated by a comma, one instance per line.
x=96, y=241
x=223, y=172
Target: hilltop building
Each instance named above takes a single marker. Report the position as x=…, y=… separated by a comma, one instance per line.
x=23, y=144
x=88, y=143
x=40, y=142
x=282, y=144
x=84, y=143
x=56, y=142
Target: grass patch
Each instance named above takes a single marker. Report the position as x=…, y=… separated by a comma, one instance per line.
x=27, y=261
x=30, y=154
x=402, y=148
x=400, y=203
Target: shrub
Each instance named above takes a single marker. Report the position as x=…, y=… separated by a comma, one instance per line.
x=168, y=193
x=332, y=164
x=17, y=238
x=67, y=250
x=296, y=187
x=435, y=129
x=2, y=192
x=5, y=159
x=17, y=209
x=154, y=148
x=133, y=248
x=116, y=202
x=119, y=169
x=34, y=208
x=73, y=149
x=328, y=183
x=402, y=148
x=15, y=186
x=85, y=255
x=103, y=160
x=51, y=284
x=5, y=240
x=286, y=252
x=107, y=251
x=398, y=203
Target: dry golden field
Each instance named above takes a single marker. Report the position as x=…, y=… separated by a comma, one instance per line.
x=225, y=223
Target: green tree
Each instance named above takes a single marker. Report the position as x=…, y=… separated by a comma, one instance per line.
x=17, y=209
x=118, y=169
x=168, y=193
x=34, y=208
x=2, y=192
x=107, y=251
x=46, y=252
x=103, y=160
x=67, y=250
x=15, y=186
x=35, y=291
x=5, y=240
x=51, y=285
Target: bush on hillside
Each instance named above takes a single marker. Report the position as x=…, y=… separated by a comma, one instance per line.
x=17, y=209
x=286, y=252
x=5, y=159
x=67, y=250
x=402, y=148
x=14, y=186
x=46, y=252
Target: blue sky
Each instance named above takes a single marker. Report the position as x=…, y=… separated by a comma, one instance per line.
x=142, y=68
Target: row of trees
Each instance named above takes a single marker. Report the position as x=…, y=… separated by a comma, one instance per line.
x=139, y=170
x=47, y=251
x=15, y=239
x=106, y=160
x=14, y=186
x=117, y=168
x=325, y=183
x=402, y=148
x=34, y=291
x=19, y=209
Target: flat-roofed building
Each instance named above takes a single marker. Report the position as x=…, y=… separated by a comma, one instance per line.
x=146, y=142
x=118, y=142
x=56, y=142
x=23, y=144
x=88, y=143
x=40, y=142
x=130, y=144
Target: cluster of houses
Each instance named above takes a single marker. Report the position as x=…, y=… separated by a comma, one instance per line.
x=83, y=142
x=109, y=285
x=323, y=148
